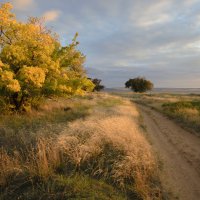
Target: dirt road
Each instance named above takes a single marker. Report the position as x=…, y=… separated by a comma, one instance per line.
x=179, y=152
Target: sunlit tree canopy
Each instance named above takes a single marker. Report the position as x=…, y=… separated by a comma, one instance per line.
x=33, y=63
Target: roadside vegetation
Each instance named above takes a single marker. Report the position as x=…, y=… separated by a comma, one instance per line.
x=86, y=148
x=182, y=108
x=185, y=112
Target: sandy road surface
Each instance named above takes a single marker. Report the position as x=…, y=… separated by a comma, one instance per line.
x=179, y=152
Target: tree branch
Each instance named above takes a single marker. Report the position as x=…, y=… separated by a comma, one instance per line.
x=2, y=33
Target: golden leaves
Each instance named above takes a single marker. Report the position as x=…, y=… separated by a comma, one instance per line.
x=13, y=86
x=7, y=80
x=65, y=89
x=33, y=76
x=32, y=61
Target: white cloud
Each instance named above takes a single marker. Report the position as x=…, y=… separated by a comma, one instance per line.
x=153, y=20
x=152, y=14
x=51, y=15
x=23, y=4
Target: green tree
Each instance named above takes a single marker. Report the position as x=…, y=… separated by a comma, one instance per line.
x=139, y=84
x=97, y=83
x=33, y=63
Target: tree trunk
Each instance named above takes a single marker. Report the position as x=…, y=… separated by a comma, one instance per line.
x=17, y=102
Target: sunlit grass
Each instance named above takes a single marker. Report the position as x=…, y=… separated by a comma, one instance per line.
x=185, y=112
x=184, y=109
x=99, y=152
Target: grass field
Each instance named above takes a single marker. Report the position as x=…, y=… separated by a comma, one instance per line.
x=83, y=148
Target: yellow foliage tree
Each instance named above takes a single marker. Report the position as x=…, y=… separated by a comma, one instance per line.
x=33, y=63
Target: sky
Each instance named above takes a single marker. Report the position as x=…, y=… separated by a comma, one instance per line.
x=122, y=39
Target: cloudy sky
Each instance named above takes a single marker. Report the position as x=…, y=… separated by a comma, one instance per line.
x=122, y=39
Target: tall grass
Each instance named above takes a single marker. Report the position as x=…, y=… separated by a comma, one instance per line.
x=101, y=156
x=124, y=156
x=187, y=113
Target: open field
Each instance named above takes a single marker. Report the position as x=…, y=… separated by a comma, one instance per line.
x=83, y=148
x=102, y=146
x=183, y=108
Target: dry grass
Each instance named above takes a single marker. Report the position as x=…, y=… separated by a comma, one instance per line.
x=8, y=166
x=191, y=114
x=85, y=139
x=186, y=113
x=182, y=108
x=106, y=146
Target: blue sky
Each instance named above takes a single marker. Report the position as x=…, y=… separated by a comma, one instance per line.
x=122, y=39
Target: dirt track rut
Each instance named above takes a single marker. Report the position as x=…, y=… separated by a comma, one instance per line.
x=179, y=152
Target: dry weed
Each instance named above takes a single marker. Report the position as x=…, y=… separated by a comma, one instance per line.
x=8, y=166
